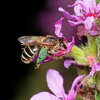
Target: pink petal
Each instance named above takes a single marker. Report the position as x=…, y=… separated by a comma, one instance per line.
x=55, y=82
x=95, y=68
x=93, y=4
x=47, y=59
x=72, y=93
x=58, y=27
x=67, y=63
x=44, y=96
x=77, y=79
x=72, y=23
x=70, y=45
x=81, y=3
x=90, y=4
x=77, y=10
x=98, y=14
x=89, y=22
x=98, y=7
x=66, y=14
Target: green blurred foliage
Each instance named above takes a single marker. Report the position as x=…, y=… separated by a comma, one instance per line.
x=35, y=80
x=97, y=1
x=98, y=45
x=97, y=95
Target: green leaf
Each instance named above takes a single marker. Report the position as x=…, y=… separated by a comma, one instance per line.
x=97, y=96
x=42, y=55
x=97, y=1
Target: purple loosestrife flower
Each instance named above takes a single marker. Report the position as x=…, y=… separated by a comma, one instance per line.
x=86, y=13
x=55, y=84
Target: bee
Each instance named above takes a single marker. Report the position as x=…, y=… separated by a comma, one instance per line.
x=41, y=49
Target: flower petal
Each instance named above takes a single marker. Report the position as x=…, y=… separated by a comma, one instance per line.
x=47, y=59
x=98, y=7
x=90, y=4
x=77, y=10
x=55, y=82
x=89, y=22
x=44, y=96
x=95, y=68
x=93, y=4
x=72, y=93
x=70, y=45
x=99, y=14
x=58, y=27
x=81, y=3
x=67, y=63
x=74, y=23
x=66, y=14
x=77, y=79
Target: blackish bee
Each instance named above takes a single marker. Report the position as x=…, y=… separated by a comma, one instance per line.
x=41, y=48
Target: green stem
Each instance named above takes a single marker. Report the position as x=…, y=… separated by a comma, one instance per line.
x=98, y=46
x=92, y=45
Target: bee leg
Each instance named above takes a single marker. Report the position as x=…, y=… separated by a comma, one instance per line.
x=37, y=66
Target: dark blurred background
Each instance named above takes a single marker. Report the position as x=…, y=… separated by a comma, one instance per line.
x=21, y=81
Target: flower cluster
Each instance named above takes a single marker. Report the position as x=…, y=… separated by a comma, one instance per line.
x=86, y=13
x=85, y=58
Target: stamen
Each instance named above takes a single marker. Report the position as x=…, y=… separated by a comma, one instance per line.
x=92, y=11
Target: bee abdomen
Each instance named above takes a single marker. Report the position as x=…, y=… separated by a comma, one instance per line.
x=28, y=54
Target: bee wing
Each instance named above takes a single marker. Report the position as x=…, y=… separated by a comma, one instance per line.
x=27, y=39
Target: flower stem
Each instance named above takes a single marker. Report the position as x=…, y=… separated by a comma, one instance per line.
x=92, y=45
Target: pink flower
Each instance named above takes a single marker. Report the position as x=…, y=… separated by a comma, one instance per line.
x=86, y=13
x=55, y=84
